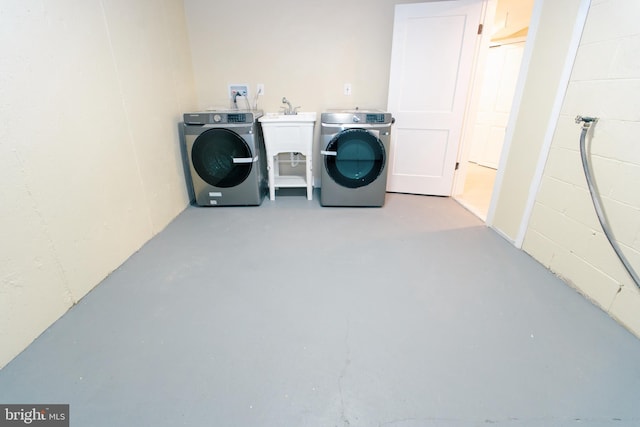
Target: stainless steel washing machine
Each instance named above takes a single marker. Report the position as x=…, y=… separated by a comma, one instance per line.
x=354, y=145
x=226, y=157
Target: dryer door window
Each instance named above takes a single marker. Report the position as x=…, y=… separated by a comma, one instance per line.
x=358, y=158
x=221, y=158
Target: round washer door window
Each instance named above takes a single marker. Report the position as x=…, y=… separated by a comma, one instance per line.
x=359, y=158
x=213, y=155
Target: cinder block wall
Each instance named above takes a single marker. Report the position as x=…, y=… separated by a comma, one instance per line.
x=564, y=233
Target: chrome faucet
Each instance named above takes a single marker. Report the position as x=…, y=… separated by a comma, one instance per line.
x=289, y=110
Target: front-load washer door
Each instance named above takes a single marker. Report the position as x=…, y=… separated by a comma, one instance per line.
x=354, y=158
x=221, y=158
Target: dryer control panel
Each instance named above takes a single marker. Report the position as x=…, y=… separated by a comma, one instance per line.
x=372, y=117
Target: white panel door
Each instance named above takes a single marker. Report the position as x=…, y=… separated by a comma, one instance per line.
x=431, y=67
x=498, y=88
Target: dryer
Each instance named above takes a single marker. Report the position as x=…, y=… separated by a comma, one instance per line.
x=354, y=145
x=226, y=155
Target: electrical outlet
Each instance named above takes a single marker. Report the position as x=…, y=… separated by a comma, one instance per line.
x=260, y=89
x=347, y=89
x=238, y=90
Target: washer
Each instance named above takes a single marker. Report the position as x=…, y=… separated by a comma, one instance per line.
x=226, y=157
x=354, y=145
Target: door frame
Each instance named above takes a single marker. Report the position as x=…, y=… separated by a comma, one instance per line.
x=470, y=118
x=534, y=185
x=536, y=181
x=473, y=99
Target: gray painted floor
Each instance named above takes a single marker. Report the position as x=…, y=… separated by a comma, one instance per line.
x=289, y=314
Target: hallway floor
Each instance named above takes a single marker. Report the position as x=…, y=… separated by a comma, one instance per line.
x=478, y=189
x=290, y=314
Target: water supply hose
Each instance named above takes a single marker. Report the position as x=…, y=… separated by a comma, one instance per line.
x=595, y=197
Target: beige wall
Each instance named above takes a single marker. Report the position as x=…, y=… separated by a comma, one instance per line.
x=564, y=233
x=90, y=95
x=304, y=50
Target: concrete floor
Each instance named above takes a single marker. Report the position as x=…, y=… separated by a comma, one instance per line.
x=289, y=314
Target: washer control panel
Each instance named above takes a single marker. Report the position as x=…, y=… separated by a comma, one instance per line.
x=221, y=117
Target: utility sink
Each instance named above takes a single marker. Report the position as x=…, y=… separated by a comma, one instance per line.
x=288, y=133
x=301, y=117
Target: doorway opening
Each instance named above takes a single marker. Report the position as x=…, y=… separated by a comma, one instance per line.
x=500, y=77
